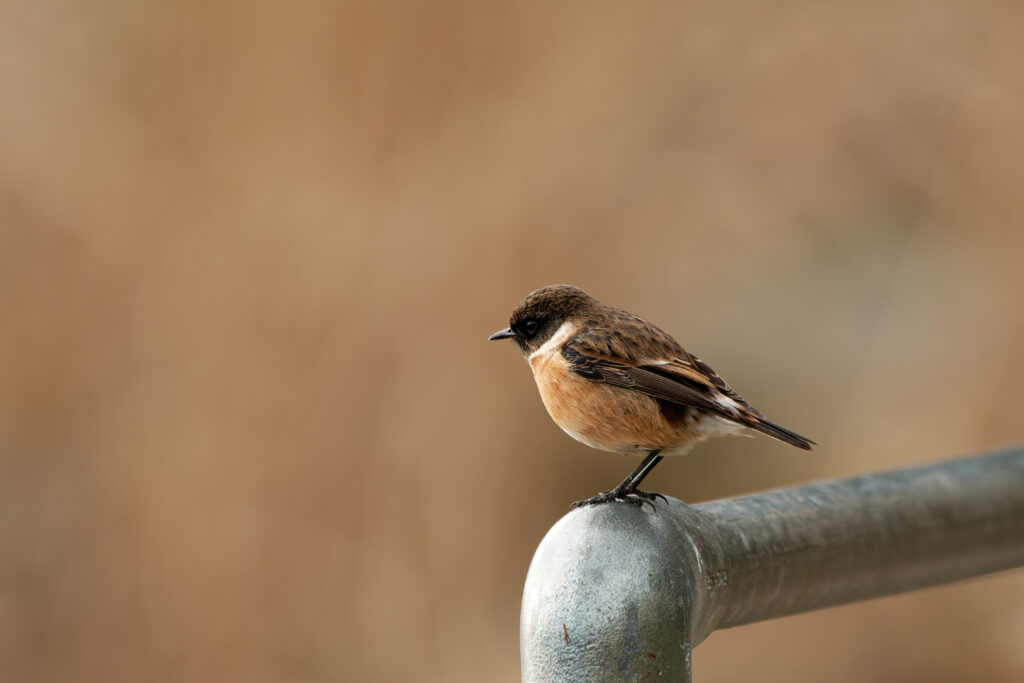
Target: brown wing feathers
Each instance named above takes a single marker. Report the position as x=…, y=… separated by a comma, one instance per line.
x=640, y=378
x=681, y=379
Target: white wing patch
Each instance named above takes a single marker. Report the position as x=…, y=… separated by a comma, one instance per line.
x=728, y=403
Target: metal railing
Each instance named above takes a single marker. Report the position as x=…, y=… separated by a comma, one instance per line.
x=616, y=592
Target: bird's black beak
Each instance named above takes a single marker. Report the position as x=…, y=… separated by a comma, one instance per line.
x=506, y=333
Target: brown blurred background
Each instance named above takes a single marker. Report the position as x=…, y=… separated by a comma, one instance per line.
x=250, y=425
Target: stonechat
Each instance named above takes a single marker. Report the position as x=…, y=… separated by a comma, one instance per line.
x=617, y=383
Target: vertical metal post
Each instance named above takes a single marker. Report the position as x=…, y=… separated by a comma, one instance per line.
x=617, y=592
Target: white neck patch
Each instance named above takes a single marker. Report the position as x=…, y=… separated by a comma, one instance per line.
x=554, y=345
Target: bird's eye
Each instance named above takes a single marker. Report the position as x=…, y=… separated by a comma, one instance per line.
x=530, y=327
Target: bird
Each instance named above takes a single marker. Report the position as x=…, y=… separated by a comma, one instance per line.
x=617, y=383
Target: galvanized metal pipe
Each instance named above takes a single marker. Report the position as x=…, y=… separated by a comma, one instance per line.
x=616, y=592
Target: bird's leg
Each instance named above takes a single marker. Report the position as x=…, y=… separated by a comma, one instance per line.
x=644, y=468
x=628, y=490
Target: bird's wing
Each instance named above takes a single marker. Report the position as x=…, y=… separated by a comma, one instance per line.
x=673, y=375
x=675, y=379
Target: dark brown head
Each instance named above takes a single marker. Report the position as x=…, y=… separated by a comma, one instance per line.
x=541, y=313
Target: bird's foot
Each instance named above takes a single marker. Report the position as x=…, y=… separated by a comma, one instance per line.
x=628, y=494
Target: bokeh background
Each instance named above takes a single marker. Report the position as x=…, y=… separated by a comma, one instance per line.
x=250, y=425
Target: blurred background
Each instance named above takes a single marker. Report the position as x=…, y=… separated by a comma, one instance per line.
x=250, y=253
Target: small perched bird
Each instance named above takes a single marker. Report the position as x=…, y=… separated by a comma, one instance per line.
x=617, y=383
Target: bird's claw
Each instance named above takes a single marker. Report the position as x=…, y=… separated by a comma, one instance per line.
x=626, y=495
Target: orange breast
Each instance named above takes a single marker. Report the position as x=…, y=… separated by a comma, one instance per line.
x=602, y=416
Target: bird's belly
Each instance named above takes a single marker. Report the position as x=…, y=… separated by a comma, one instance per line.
x=605, y=417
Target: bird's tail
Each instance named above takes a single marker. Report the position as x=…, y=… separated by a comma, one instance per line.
x=781, y=433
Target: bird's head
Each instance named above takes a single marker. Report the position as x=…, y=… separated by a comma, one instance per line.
x=537, y=317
